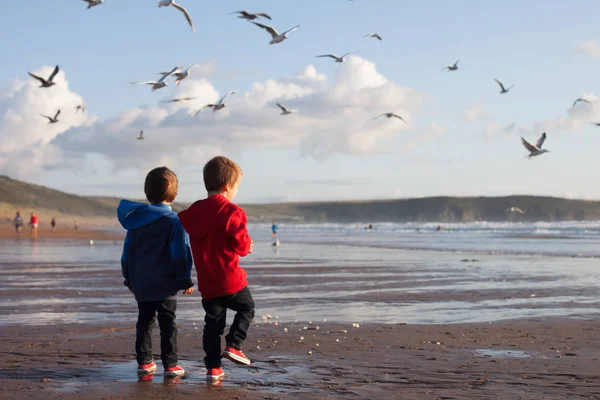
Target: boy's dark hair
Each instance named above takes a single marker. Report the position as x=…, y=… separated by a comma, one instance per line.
x=220, y=172
x=161, y=185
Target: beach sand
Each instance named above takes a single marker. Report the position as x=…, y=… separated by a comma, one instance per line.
x=88, y=229
x=68, y=331
x=553, y=359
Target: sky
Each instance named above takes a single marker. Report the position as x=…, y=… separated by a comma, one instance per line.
x=462, y=137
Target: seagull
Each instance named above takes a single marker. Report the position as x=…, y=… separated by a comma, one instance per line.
x=391, y=115
x=141, y=137
x=161, y=83
x=336, y=58
x=80, y=107
x=46, y=83
x=284, y=109
x=516, y=210
x=277, y=38
x=537, y=149
x=453, y=67
x=167, y=3
x=216, y=107
x=50, y=119
x=582, y=100
x=93, y=3
x=181, y=75
x=246, y=15
x=373, y=35
x=180, y=100
x=504, y=90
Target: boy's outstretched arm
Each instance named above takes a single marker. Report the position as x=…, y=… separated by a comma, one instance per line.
x=238, y=236
x=181, y=256
x=125, y=261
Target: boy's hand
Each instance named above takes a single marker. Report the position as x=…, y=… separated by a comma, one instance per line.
x=188, y=291
x=251, y=246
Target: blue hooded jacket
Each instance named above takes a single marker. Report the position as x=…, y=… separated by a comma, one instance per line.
x=156, y=260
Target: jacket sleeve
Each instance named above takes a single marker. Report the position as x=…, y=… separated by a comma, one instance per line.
x=237, y=233
x=181, y=256
x=125, y=262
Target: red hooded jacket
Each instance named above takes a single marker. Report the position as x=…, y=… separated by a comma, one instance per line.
x=218, y=237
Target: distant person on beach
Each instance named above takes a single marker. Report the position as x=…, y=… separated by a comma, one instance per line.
x=439, y=228
x=33, y=222
x=219, y=237
x=53, y=224
x=18, y=222
x=76, y=225
x=156, y=264
x=274, y=228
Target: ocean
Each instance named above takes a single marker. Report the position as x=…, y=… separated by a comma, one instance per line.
x=394, y=273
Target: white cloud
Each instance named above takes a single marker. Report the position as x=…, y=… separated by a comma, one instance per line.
x=26, y=135
x=474, y=113
x=334, y=116
x=590, y=47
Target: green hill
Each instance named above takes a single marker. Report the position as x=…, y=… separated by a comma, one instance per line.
x=17, y=194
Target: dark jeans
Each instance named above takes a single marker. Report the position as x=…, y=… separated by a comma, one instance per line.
x=168, y=331
x=214, y=324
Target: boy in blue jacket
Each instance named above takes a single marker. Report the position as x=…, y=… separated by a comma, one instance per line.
x=156, y=264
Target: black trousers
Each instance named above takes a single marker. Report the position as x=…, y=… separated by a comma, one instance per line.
x=214, y=324
x=168, y=331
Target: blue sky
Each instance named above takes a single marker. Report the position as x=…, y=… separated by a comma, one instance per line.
x=532, y=45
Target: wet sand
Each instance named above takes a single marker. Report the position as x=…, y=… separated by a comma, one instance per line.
x=67, y=327
x=553, y=359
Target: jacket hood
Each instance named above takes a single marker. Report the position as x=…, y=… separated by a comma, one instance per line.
x=134, y=215
x=200, y=217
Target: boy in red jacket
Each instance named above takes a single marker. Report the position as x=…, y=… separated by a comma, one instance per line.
x=218, y=237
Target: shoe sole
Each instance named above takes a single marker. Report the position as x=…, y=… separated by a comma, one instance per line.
x=147, y=371
x=236, y=359
x=175, y=373
x=215, y=377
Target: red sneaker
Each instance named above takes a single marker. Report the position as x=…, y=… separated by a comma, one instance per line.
x=215, y=374
x=174, y=371
x=237, y=356
x=146, y=368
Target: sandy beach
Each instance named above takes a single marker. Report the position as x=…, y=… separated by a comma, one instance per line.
x=87, y=230
x=552, y=359
x=68, y=327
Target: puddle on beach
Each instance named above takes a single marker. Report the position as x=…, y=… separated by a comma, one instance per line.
x=278, y=374
x=500, y=353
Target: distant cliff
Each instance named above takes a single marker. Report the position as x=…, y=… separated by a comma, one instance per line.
x=14, y=193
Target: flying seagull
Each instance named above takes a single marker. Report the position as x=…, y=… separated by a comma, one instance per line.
x=537, y=149
x=93, y=3
x=515, y=210
x=336, y=58
x=180, y=100
x=284, y=109
x=181, y=75
x=503, y=89
x=161, y=83
x=453, y=67
x=50, y=119
x=167, y=3
x=373, y=35
x=246, y=15
x=141, y=137
x=80, y=107
x=277, y=38
x=215, y=107
x=580, y=100
x=46, y=83
x=391, y=115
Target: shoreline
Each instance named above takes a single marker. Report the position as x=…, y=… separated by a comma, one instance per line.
x=87, y=230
